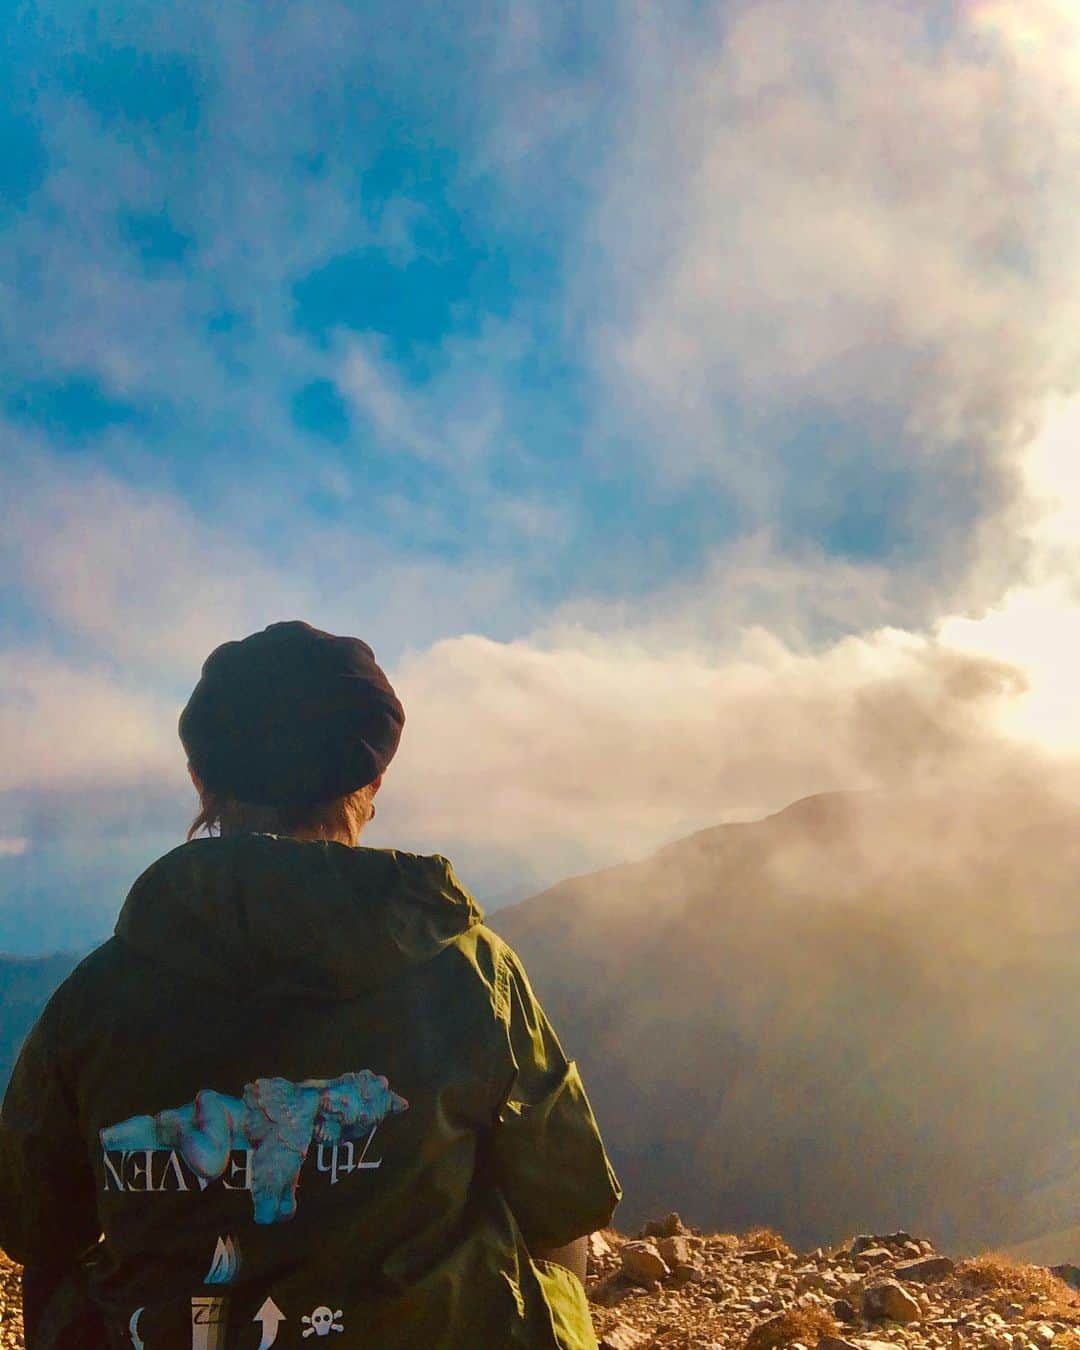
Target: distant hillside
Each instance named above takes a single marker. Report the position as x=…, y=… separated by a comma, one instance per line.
x=858, y=1012
x=25, y=986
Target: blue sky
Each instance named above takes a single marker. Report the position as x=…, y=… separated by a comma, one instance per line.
x=521, y=340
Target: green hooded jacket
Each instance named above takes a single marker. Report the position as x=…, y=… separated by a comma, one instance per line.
x=305, y=1094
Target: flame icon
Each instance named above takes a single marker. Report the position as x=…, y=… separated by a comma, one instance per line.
x=225, y=1265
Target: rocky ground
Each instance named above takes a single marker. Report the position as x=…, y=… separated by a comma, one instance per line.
x=675, y=1288
x=10, y=1306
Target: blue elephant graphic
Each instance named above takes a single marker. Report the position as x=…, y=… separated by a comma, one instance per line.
x=275, y=1118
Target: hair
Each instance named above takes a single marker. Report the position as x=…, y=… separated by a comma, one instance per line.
x=341, y=818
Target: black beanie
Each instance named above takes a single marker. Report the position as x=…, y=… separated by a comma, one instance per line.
x=291, y=714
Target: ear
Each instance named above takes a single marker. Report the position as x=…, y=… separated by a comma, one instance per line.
x=375, y=784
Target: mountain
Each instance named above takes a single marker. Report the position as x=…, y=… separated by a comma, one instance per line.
x=25, y=986
x=859, y=1012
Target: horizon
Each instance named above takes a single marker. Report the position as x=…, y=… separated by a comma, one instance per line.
x=685, y=410
x=503, y=902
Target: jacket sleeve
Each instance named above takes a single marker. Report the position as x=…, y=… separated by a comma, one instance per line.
x=48, y=1213
x=548, y=1157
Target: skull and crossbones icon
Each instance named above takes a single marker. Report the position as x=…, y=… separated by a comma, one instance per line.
x=322, y=1322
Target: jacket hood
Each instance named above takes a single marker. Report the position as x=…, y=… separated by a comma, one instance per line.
x=276, y=915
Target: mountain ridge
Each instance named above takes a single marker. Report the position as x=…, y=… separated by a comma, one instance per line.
x=853, y=1011
x=26, y=983
x=858, y=986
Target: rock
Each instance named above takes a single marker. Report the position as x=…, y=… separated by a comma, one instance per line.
x=875, y=1256
x=608, y=1291
x=836, y=1343
x=1043, y=1334
x=762, y=1254
x=764, y=1303
x=772, y=1332
x=926, y=1269
x=642, y=1263
x=900, y=1240
x=669, y=1226
x=844, y=1311
x=1069, y=1273
x=686, y=1274
x=599, y=1247
x=889, y=1300
x=624, y=1337
x=675, y=1251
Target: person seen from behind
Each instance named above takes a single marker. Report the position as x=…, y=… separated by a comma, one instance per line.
x=303, y=1092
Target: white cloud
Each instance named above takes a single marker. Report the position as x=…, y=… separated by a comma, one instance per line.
x=149, y=584
x=841, y=214
x=595, y=747
x=839, y=210
x=134, y=572
x=1036, y=622
x=375, y=388
x=65, y=726
x=460, y=415
x=603, y=730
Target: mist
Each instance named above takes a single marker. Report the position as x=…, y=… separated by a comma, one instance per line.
x=851, y=1016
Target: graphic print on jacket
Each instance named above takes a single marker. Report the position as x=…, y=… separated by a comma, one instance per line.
x=275, y=1120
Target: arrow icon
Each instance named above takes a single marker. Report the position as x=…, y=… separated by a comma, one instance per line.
x=271, y=1317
